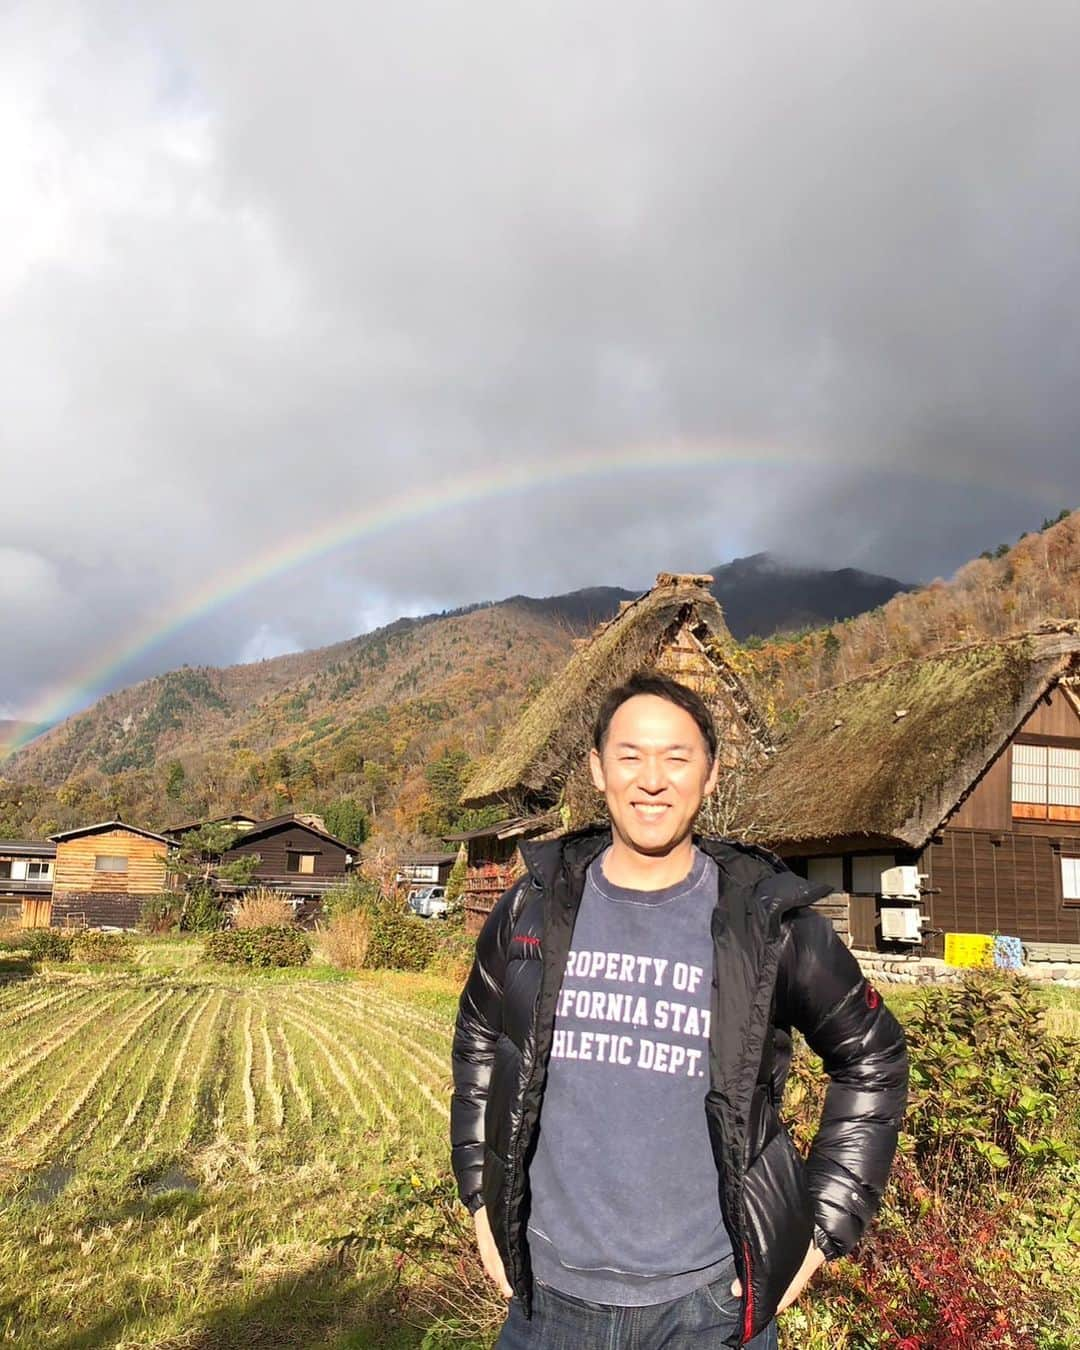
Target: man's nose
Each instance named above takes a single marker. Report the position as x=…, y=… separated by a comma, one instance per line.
x=651, y=777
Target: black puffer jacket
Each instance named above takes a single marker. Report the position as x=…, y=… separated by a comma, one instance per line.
x=777, y=965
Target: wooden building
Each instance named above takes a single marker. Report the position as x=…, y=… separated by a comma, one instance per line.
x=539, y=771
x=26, y=880
x=239, y=821
x=964, y=764
x=296, y=856
x=103, y=873
x=425, y=869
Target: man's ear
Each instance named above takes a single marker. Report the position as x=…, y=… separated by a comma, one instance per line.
x=714, y=774
x=596, y=771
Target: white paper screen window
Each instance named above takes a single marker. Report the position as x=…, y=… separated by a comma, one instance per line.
x=1070, y=878
x=1063, y=771
x=1029, y=773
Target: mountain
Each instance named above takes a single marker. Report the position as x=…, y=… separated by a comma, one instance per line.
x=367, y=717
x=762, y=594
x=1013, y=589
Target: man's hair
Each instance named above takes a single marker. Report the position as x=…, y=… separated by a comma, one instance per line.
x=652, y=682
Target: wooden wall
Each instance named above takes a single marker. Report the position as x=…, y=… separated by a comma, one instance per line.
x=274, y=848
x=96, y=910
x=989, y=807
x=75, y=872
x=1003, y=880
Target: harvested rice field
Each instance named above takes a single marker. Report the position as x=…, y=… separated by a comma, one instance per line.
x=178, y=1152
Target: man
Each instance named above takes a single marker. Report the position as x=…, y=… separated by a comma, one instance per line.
x=620, y=1055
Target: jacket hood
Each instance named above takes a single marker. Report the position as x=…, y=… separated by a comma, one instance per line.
x=766, y=874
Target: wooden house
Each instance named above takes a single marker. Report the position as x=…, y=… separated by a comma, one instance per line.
x=964, y=765
x=103, y=873
x=26, y=881
x=539, y=771
x=296, y=856
x=239, y=821
x=425, y=869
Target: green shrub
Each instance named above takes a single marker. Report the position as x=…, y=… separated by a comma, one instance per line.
x=400, y=941
x=987, y=1084
x=455, y=891
x=454, y=953
x=258, y=947
x=355, y=892
x=202, y=912
x=47, y=944
x=91, y=944
x=160, y=913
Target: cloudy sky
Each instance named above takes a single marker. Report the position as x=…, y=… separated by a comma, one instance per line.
x=317, y=314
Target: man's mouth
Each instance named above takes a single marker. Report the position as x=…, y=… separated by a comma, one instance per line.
x=650, y=810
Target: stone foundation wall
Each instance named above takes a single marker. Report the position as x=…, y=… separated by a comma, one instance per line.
x=888, y=969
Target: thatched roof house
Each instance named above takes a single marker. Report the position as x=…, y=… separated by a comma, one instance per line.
x=964, y=765
x=891, y=755
x=676, y=627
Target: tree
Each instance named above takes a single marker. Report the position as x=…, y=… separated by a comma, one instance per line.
x=347, y=819
x=455, y=887
x=174, y=780
x=445, y=779
x=198, y=865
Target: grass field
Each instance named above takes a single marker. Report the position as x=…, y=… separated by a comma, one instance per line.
x=179, y=1148
x=176, y=1149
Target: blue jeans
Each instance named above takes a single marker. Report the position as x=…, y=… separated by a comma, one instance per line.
x=701, y=1320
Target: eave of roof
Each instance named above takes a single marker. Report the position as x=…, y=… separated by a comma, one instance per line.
x=105, y=825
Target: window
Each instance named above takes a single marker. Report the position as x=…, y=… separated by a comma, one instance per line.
x=828, y=870
x=1070, y=880
x=5, y=868
x=301, y=862
x=38, y=871
x=866, y=872
x=105, y=862
x=1045, y=782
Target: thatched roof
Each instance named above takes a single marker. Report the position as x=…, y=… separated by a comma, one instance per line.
x=538, y=751
x=890, y=755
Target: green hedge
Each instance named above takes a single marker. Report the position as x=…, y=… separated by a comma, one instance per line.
x=258, y=947
x=91, y=944
x=400, y=941
x=47, y=944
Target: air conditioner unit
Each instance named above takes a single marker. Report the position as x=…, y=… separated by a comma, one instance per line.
x=901, y=924
x=900, y=882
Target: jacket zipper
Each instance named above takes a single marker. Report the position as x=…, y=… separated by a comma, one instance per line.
x=748, y=1316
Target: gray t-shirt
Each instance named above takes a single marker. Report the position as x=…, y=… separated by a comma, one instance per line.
x=625, y=1205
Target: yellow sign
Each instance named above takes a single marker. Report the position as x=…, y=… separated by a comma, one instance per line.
x=969, y=949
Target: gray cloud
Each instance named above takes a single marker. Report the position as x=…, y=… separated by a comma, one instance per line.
x=265, y=266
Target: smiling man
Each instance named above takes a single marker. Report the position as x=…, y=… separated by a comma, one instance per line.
x=620, y=1055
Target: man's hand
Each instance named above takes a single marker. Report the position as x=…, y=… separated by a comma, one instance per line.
x=489, y=1253
x=814, y=1257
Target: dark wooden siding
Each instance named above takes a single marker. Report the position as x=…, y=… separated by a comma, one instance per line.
x=990, y=805
x=274, y=848
x=1007, y=881
x=1052, y=717
x=97, y=910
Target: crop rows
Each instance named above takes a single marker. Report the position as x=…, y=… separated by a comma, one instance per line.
x=90, y=1071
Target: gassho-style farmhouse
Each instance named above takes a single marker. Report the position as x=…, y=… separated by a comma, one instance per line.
x=939, y=797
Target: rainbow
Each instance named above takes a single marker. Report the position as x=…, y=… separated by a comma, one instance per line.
x=410, y=507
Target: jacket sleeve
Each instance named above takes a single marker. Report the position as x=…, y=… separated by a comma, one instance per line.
x=476, y=1033
x=865, y=1056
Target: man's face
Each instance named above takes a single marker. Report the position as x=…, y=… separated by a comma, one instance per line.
x=654, y=773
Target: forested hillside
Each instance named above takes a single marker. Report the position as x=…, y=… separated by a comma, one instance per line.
x=389, y=720
x=382, y=729
x=1010, y=589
